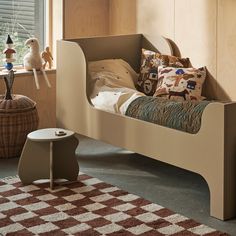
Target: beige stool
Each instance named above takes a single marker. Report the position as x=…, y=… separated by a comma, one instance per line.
x=47, y=156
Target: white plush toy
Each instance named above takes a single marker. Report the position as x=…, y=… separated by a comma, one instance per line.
x=33, y=61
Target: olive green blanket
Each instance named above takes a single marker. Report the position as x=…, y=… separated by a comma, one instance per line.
x=180, y=115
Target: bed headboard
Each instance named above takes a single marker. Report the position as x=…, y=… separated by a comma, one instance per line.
x=126, y=47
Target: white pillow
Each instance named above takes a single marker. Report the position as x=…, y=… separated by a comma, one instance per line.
x=114, y=73
x=114, y=99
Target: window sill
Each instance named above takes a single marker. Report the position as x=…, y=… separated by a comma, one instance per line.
x=20, y=72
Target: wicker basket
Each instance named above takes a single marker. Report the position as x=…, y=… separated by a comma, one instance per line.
x=18, y=117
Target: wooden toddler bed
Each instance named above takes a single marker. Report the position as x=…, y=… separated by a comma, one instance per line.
x=211, y=152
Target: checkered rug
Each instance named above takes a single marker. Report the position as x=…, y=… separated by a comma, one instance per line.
x=88, y=207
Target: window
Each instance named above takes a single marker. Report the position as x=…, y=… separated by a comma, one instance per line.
x=21, y=19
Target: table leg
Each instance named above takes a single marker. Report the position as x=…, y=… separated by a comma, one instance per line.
x=51, y=165
x=34, y=163
x=65, y=165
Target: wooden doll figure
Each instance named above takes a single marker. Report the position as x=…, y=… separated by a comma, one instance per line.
x=9, y=52
x=47, y=57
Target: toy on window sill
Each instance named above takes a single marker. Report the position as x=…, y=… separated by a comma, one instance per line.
x=33, y=61
x=47, y=57
x=9, y=52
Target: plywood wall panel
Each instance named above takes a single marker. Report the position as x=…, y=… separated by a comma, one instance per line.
x=196, y=36
x=226, y=68
x=156, y=16
x=45, y=97
x=84, y=18
x=122, y=17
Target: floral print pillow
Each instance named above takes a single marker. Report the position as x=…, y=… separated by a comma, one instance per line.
x=150, y=61
x=180, y=83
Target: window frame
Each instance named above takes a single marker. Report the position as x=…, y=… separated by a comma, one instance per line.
x=40, y=17
x=54, y=30
x=45, y=14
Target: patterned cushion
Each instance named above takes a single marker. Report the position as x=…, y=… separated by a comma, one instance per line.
x=180, y=83
x=150, y=62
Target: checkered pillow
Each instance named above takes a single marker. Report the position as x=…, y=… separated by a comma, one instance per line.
x=150, y=62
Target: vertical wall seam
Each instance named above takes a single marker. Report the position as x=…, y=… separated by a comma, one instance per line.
x=174, y=19
x=63, y=19
x=109, y=17
x=136, y=17
x=217, y=42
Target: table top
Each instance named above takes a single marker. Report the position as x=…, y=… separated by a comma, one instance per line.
x=43, y=135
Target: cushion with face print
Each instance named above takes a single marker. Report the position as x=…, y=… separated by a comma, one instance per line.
x=180, y=83
x=150, y=61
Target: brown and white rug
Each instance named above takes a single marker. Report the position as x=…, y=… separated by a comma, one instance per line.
x=88, y=207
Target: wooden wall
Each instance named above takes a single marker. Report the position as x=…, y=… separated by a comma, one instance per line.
x=122, y=17
x=204, y=30
x=99, y=17
x=226, y=47
x=155, y=16
x=45, y=97
x=86, y=18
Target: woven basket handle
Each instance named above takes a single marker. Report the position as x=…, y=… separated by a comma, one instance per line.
x=9, y=80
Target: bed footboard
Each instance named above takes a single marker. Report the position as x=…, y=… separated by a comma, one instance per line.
x=211, y=152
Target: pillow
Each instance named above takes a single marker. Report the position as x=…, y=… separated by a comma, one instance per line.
x=150, y=61
x=113, y=73
x=180, y=83
x=114, y=99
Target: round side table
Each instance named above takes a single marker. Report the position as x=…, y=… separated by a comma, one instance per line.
x=48, y=156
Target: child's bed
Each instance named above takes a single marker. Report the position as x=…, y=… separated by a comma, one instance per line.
x=211, y=152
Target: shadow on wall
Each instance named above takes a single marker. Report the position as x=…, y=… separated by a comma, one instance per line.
x=212, y=89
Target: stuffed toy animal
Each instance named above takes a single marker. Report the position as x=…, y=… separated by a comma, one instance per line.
x=33, y=61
